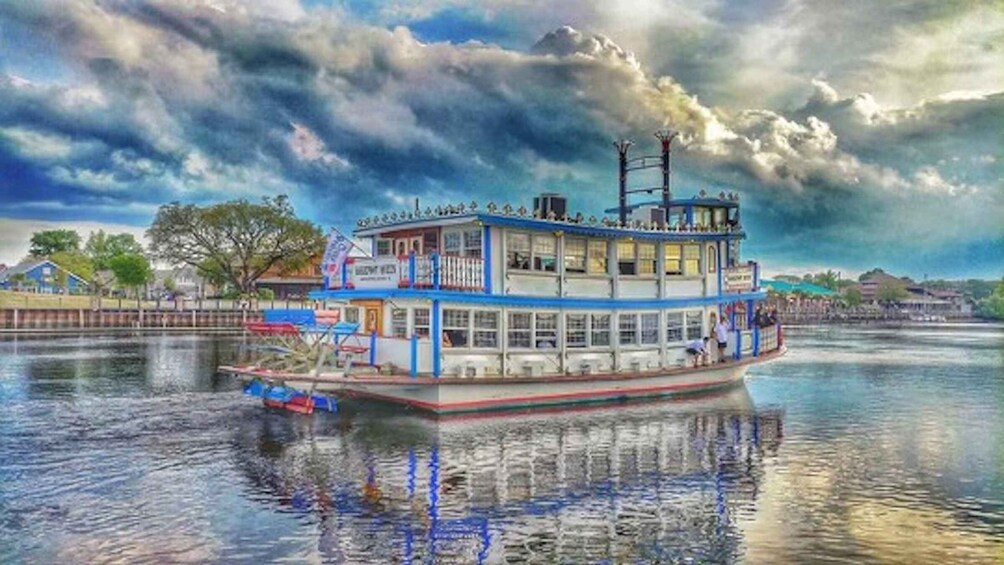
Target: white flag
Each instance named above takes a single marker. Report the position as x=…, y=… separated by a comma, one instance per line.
x=335, y=255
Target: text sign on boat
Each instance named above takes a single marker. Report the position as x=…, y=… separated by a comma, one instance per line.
x=382, y=272
x=739, y=278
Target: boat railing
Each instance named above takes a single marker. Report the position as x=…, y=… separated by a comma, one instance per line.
x=433, y=271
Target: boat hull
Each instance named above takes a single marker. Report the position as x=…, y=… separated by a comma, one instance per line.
x=454, y=395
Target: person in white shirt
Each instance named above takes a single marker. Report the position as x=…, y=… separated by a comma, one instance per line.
x=699, y=350
x=722, y=337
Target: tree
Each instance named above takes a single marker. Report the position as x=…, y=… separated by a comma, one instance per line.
x=132, y=270
x=234, y=241
x=890, y=292
x=74, y=262
x=867, y=274
x=45, y=243
x=993, y=306
x=828, y=279
x=21, y=280
x=102, y=247
x=852, y=297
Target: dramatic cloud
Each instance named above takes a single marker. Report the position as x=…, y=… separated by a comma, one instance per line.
x=133, y=104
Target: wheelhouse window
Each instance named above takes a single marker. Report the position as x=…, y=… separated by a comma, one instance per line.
x=733, y=253
x=598, y=257
x=694, y=329
x=626, y=258
x=691, y=260
x=421, y=322
x=452, y=243
x=545, y=253
x=399, y=322
x=466, y=243
x=531, y=253
x=520, y=327
x=575, y=255
x=673, y=258
x=646, y=259
x=472, y=243
x=384, y=247
x=674, y=326
x=456, y=328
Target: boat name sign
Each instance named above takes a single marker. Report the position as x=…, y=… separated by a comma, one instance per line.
x=739, y=278
x=382, y=272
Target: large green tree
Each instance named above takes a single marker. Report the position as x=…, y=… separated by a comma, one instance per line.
x=890, y=291
x=45, y=243
x=993, y=305
x=74, y=262
x=234, y=242
x=102, y=247
x=132, y=270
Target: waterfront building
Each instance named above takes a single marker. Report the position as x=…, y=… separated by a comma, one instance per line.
x=43, y=276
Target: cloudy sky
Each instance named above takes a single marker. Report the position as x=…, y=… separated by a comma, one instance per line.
x=859, y=133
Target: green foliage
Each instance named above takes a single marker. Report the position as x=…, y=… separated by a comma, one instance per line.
x=170, y=285
x=852, y=297
x=992, y=306
x=867, y=274
x=45, y=243
x=266, y=294
x=21, y=281
x=234, y=242
x=132, y=270
x=74, y=262
x=102, y=247
x=890, y=292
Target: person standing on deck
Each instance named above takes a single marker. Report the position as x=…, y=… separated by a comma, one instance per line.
x=722, y=337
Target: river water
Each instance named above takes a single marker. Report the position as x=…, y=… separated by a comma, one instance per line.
x=862, y=445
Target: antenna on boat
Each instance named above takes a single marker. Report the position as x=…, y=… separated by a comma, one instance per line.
x=665, y=137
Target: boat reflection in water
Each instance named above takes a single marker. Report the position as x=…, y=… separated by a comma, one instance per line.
x=660, y=481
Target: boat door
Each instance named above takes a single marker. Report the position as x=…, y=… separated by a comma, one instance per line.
x=372, y=311
x=405, y=245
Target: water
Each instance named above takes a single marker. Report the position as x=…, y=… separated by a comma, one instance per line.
x=862, y=445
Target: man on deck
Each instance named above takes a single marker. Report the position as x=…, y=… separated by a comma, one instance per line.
x=699, y=350
x=722, y=337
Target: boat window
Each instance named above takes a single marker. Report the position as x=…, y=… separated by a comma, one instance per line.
x=486, y=329
x=694, y=329
x=472, y=243
x=575, y=255
x=673, y=253
x=575, y=330
x=646, y=258
x=430, y=243
x=627, y=326
x=452, y=241
x=352, y=314
x=720, y=217
x=691, y=260
x=519, y=329
x=599, y=330
x=456, y=328
x=421, y=322
x=598, y=257
x=545, y=256
x=626, y=264
x=733, y=253
x=518, y=250
x=649, y=329
x=712, y=259
x=383, y=247
x=674, y=326
x=546, y=331
x=399, y=322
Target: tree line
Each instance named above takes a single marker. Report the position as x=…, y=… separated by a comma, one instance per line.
x=229, y=244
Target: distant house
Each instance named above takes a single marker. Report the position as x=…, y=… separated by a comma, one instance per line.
x=295, y=284
x=187, y=283
x=41, y=275
x=916, y=299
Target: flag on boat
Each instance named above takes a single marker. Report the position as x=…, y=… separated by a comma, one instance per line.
x=335, y=255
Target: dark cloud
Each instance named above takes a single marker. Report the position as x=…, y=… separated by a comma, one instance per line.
x=199, y=103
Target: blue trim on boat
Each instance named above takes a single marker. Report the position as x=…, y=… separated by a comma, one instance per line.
x=414, y=355
x=437, y=340
x=373, y=343
x=486, y=241
x=411, y=269
x=514, y=300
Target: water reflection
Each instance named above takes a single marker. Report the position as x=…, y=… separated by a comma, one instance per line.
x=658, y=481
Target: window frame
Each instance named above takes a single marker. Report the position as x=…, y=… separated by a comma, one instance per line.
x=688, y=326
x=397, y=330
x=676, y=329
x=534, y=259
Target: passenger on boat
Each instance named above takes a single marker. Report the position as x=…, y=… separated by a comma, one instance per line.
x=722, y=337
x=699, y=350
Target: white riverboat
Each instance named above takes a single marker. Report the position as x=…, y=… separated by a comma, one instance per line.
x=466, y=308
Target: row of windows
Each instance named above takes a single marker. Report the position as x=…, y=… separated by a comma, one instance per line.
x=540, y=330
x=539, y=252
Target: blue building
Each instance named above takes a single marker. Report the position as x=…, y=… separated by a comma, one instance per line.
x=42, y=276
